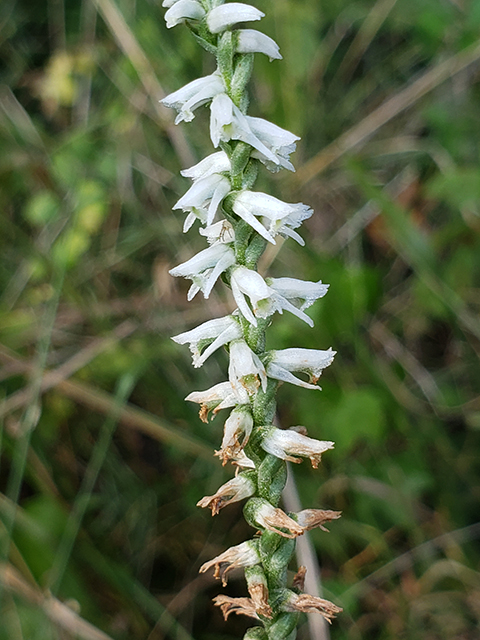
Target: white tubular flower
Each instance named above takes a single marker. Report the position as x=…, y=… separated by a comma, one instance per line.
x=280, y=142
x=263, y=514
x=203, y=198
x=205, y=268
x=212, y=334
x=288, y=444
x=251, y=41
x=217, y=162
x=316, y=518
x=226, y=15
x=193, y=94
x=236, y=432
x=242, y=555
x=236, y=489
x=305, y=603
x=181, y=10
x=220, y=396
x=310, y=361
x=280, y=217
x=292, y=295
x=272, y=144
x=246, y=282
x=245, y=371
x=221, y=231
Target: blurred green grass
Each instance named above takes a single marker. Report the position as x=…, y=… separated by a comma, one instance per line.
x=102, y=462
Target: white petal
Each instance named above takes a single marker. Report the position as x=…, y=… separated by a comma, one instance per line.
x=215, y=163
x=252, y=41
x=186, y=99
x=227, y=15
x=182, y=10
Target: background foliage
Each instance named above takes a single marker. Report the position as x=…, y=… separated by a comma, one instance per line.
x=98, y=450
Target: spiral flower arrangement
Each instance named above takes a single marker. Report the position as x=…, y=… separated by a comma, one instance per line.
x=237, y=223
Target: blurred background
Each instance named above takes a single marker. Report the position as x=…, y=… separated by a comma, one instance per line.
x=102, y=462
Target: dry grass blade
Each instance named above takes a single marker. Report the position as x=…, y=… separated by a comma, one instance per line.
x=387, y=111
x=131, y=48
x=61, y=615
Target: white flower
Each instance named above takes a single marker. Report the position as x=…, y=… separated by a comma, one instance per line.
x=272, y=144
x=181, y=10
x=280, y=217
x=245, y=371
x=280, y=142
x=292, y=295
x=221, y=231
x=205, y=268
x=259, y=512
x=217, y=162
x=305, y=603
x=203, y=198
x=220, y=396
x=251, y=41
x=248, y=282
x=193, y=94
x=212, y=334
x=310, y=361
x=226, y=15
x=286, y=444
x=242, y=555
x=236, y=489
x=236, y=432
x=313, y=518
